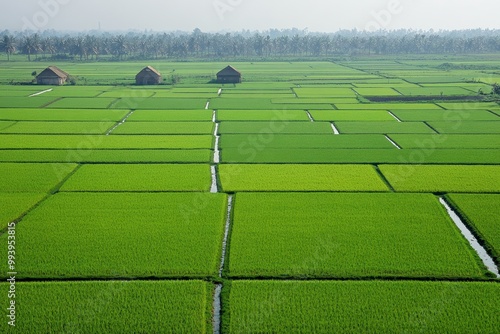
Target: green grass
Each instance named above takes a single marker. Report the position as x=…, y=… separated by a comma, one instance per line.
x=383, y=127
x=481, y=212
x=106, y=156
x=460, y=126
x=468, y=105
x=451, y=141
x=62, y=115
x=87, y=102
x=139, y=177
x=31, y=178
x=60, y=127
x=300, y=178
x=96, y=235
x=258, y=142
x=90, y=142
x=262, y=115
x=444, y=178
x=445, y=115
x=14, y=205
x=351, y=115
x=275, y=127
x=171, y=116
x=168, y=128
x=326, y=235
x=115, y=306
x=250, y=152
x=362, y=307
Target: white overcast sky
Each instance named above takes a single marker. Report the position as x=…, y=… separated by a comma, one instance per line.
x=235, y=15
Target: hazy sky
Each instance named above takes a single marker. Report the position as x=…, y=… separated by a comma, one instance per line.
x=235, y=15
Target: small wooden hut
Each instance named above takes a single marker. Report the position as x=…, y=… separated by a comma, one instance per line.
x=52, y=75
x=148, y=76
x=229, y=75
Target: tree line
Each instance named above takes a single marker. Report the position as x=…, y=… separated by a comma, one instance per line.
x=273, y=44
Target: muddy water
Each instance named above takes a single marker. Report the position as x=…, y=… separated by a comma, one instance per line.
x=216, y=146
x=483, y=254
x=393, y=142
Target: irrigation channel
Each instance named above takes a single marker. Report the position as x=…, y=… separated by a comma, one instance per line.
x=42, y=92
x=483, y=254
x=335, y=130
x=395, y=117
x=120, y=123
x=217, y=138
x=393, y=142
x=311, y=118
x=217, y=303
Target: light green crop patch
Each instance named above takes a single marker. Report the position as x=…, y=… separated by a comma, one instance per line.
x=347, y=235
x=96, y=235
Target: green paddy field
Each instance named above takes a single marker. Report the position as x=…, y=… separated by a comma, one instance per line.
x=289, y=203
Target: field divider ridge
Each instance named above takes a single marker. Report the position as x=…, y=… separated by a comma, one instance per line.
x=25, y=213
x=393, y=142
x=383, y=178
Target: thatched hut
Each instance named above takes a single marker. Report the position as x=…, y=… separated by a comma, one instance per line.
x=52, y=75
x=229, y=75
x=148, y=76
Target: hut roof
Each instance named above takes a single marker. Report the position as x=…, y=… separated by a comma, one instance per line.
x=53, y=71
x=229, y=71
x=149, y=70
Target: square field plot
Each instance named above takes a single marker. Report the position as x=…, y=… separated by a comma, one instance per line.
x=91, y=142
x=383, y=127
x=482, y=212
x=459, y=126
x=87, y=102
x=300, y=178
x=13, y=206
x=326, y=235
x=151, y=177
x=157, y=128
x=79, y=115
x=111, y=307
x=443, y=178
x=160, y=103
x=254, y=143
x=25, y=102
x=107, y=156
x=445, y=115
x=363, y=307
x=171, y=116
x=262, y=115
x=92, y=235
x=351, y=115
x=59, y=128
x=275, y=127
x=31, y=178
x=451, y=141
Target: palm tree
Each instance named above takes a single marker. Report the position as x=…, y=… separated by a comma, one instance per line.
x=29, y=46
x=8, y=45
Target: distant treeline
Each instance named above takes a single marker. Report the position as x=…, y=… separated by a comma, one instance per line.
x=273, y=44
